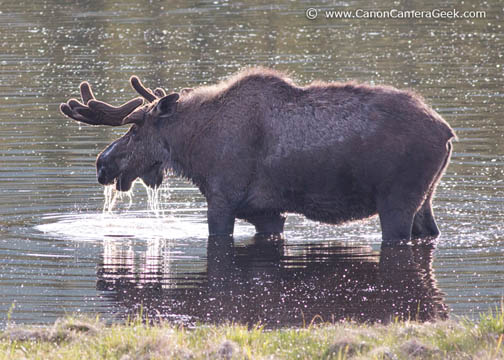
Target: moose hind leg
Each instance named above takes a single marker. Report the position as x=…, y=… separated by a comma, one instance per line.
x=405, y=201
x=267, y=223
x=396, y=226
x=424, y=224
x=397, y=210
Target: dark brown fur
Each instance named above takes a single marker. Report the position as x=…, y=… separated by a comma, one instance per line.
x=257, y=146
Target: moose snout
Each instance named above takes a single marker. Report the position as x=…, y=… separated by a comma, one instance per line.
x=106, y=171
x=102, y=175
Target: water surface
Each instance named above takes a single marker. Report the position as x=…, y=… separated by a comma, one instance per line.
x=59, y=254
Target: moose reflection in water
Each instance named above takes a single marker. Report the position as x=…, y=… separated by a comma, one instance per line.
x=275, y=283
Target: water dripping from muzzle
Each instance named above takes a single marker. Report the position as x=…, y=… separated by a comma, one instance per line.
x=154, y=200
x=155, y=197
x=111, y=195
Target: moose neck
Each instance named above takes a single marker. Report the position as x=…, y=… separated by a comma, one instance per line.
x=185, y=138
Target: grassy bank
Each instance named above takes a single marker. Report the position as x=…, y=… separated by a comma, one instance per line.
x=77, y=338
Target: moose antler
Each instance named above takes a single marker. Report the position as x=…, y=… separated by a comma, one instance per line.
x=147, y=93
x=96, y=112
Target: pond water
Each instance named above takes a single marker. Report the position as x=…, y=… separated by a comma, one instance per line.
x=60, y=254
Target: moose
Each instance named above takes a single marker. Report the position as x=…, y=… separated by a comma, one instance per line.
x=258, y=146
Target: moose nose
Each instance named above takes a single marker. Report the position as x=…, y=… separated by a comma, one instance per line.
x=102, y=175
x=107, y=168
x=105, y=171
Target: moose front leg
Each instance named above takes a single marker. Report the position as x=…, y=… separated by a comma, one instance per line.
x=220, y=217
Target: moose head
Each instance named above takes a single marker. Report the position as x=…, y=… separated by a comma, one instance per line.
x=141, y=152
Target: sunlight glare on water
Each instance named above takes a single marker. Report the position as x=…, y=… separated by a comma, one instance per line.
x=68, y=245
x=157, y=221
x=150, y=223
x=136, y=224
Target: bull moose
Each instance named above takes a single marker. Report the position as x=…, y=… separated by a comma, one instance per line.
x=257, y=146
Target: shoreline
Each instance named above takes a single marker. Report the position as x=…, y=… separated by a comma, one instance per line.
x=79, y=337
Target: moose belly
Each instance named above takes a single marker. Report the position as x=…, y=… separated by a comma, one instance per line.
x=331, y=207
x=332, y=196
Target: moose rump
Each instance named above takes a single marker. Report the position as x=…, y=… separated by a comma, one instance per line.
x=258, y=146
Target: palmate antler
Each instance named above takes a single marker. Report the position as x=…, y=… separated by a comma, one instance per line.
x=96, y=112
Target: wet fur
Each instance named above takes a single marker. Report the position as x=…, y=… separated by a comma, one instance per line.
x=257, y=145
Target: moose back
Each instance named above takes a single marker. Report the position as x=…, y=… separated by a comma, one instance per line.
x=258, y=146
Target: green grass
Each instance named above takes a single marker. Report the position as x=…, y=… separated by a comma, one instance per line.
x=83, y=338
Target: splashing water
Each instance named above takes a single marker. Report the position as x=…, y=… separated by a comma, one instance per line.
x=112, y=195
x=154, y=198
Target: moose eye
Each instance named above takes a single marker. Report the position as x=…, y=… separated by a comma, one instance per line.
x=134, y=130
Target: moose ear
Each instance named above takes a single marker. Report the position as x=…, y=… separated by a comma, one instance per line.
x=167, y=104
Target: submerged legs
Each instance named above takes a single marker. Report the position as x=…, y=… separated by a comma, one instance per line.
x=267, y=224
x=424, y=224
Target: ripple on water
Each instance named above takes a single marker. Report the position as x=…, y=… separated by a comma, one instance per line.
x=133, y=224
